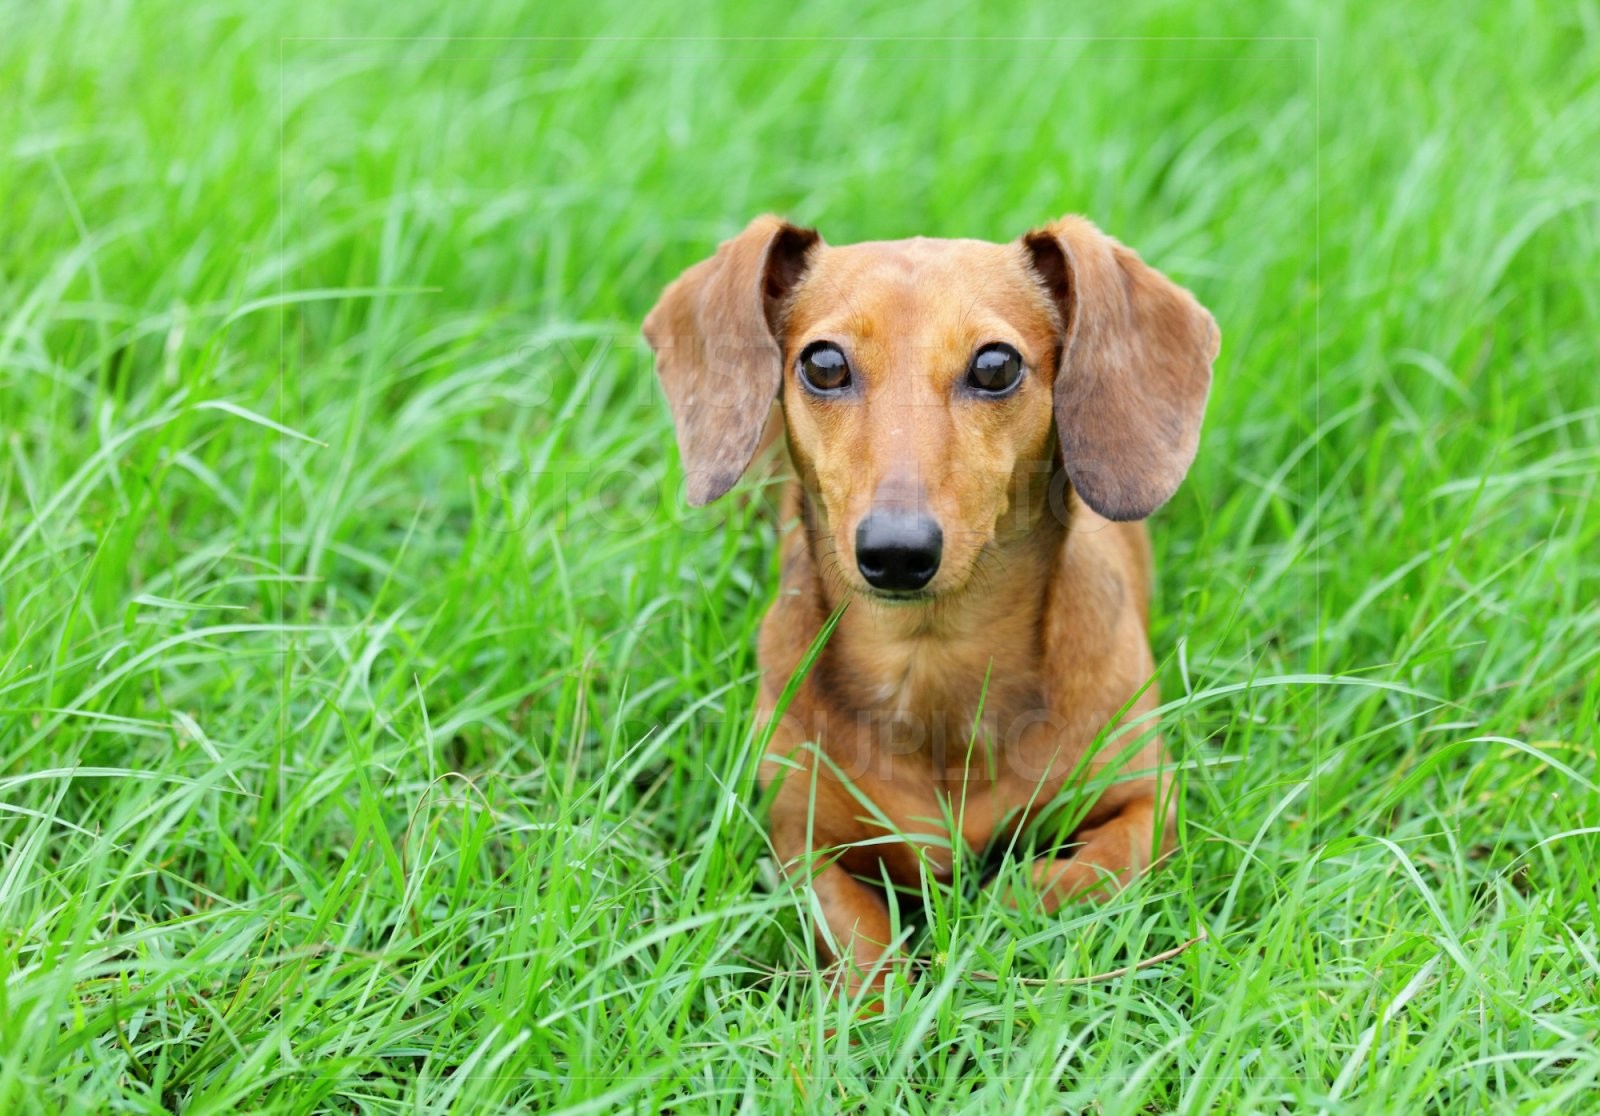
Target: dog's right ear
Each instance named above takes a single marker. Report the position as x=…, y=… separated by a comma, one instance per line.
x=1135, y=368
x=714, y=333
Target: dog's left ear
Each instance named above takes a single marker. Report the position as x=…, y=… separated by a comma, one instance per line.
x=714, y=333
x=1135, y=369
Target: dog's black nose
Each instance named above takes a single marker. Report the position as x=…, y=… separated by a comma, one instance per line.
x=898, y=550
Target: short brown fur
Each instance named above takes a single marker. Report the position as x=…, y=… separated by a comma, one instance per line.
x=1032, y=631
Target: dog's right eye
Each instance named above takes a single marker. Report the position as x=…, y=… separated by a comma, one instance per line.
x=995, y=370
x=824, y=368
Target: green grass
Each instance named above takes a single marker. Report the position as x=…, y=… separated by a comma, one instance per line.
x=404, y=762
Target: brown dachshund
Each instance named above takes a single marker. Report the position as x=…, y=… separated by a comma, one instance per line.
x=972, y=427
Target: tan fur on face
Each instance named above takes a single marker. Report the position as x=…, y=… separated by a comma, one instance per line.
x=914, y=438
x=949, y=722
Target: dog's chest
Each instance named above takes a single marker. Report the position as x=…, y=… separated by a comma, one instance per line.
x=950, y=725
x=950, y=685
x=934, y=742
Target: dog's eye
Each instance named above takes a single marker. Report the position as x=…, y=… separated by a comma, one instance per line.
x=995, y=370
x=824, y=368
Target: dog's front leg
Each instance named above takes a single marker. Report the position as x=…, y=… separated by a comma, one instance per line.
x=1111, y=854
x=857, y=934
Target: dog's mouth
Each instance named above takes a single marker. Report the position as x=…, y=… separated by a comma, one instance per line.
x=898, y=597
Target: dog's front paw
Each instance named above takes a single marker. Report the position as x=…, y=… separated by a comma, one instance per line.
x=1054, y=882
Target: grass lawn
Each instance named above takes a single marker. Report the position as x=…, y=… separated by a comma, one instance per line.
x=375, y=719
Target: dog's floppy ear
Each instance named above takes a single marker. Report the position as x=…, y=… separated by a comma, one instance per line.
x=717, y=352
x=1135, y=368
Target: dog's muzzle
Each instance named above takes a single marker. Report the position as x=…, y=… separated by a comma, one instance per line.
x=898, y=551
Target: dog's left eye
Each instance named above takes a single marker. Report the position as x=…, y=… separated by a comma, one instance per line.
x=824, y=368
x=995, y=370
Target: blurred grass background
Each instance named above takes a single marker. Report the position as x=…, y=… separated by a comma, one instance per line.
x=374, y=720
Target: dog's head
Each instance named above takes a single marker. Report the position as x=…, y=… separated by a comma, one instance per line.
x=930, y=387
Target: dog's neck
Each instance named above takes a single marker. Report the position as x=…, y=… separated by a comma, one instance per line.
x=941, y=657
